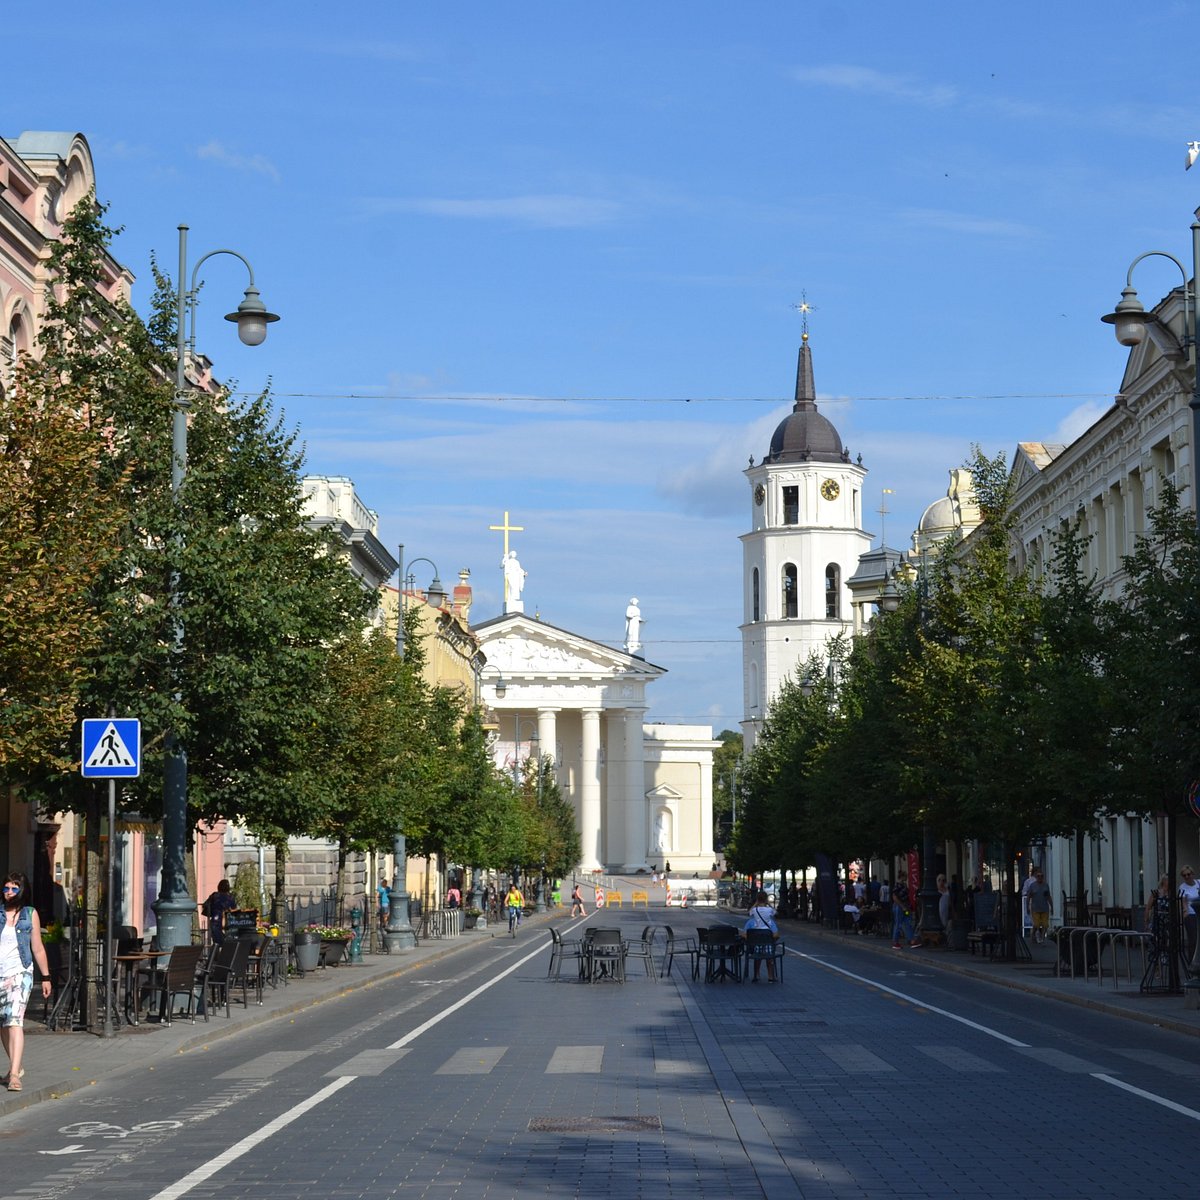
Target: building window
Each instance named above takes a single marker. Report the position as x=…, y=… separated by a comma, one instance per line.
x=754, y=614
x=791, y=505
x=789, y=590
x=833, y=586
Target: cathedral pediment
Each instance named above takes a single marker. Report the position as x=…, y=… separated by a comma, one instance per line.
x=518, y=645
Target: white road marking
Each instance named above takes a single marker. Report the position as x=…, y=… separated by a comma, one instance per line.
x=233, y=1153
x=209, y=1169
x=576, y=1060
x=941, y=1012
x=1137, y=1091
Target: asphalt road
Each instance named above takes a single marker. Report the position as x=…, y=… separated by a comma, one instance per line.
x=860, y=1075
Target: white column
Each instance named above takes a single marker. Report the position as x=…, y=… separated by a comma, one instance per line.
x=635, y=790
x=548, y=734
x=614, y=788
x=589, y=790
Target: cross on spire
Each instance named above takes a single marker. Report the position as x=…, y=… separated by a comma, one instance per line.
x=804, y=308
x=507, y=528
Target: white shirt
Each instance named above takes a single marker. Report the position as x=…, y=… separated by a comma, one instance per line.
x=10, y=953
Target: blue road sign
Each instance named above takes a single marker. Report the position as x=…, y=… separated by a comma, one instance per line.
x=112, y=748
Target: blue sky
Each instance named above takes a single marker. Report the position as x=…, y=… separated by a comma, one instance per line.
x=543, y=257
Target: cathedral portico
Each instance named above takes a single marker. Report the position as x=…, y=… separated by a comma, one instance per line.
x=583, y=704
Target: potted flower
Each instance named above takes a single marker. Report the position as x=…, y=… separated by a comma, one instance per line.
x=53, y=937
x=334, y=940
x=472, y=917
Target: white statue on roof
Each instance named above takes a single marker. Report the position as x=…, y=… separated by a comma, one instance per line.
x=633, y=625
x=514, y=582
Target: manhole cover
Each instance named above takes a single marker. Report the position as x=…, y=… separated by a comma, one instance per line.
x=594, y=1124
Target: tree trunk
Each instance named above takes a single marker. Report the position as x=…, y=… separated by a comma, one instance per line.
x=278, y=899
x=341, y=884
x=1174, y=927
x=1011, y=905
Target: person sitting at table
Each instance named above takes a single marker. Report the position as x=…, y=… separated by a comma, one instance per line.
x=762, y=917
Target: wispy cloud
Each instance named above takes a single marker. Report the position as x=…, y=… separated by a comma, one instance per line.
x=1079, y=420
x=868, y=81
x=546, y=211
x=953, y=222
x=259, y=164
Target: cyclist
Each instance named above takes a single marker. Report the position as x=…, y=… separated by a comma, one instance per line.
x=514, y=902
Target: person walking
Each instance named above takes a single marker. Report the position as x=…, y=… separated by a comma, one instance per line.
x=20, y=947
x=577, y=908
x=902, y=922
x=1041, y=905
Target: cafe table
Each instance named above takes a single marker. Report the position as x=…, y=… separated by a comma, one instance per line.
x=129, y=965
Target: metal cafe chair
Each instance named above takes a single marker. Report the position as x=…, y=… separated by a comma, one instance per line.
x=562, y=948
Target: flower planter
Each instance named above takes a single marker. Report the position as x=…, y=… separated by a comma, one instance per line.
x=333, y=950
x=308, y=950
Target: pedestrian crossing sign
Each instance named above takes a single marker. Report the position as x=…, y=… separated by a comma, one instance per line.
x=112, y=748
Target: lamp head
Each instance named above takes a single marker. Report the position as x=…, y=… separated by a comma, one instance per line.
x=1129, y=318
x=436, y=594
x=252, y=318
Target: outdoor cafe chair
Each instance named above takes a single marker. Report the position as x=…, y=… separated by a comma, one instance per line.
x=682, y=945
x=606, y=956
x=644, y=949
x=177, y=978
x=560, y=948
x=227, y=972
x=762, y=946
x=721, y=949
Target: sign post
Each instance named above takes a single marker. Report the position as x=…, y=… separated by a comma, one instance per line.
x=112, y=750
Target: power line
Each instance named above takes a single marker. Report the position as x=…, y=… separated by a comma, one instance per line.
x=478, y=398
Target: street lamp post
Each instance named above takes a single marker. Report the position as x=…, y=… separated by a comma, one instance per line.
x=1130, y=321
x=399, y=935
x=174, y=908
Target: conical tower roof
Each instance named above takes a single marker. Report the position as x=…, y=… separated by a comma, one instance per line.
x=804, y=435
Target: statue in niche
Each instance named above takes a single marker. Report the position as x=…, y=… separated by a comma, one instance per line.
x=662, y=841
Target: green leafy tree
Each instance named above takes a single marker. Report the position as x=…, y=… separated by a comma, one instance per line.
x=727, y=760
x=1154, y=663
x=59, y=518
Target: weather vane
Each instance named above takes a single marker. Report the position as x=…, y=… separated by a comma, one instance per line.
x=804, y=308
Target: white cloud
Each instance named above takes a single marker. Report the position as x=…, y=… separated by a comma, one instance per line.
x=258, y=164
x=871, y=82
x=545, y=211
x=1079, y=420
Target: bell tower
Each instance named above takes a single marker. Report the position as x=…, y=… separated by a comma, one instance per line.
x=804, y=542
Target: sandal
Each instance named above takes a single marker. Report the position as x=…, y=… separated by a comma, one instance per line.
x=14, y=1085
x=8, y=1074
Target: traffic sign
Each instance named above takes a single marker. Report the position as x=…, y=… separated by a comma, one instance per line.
x=112, y=748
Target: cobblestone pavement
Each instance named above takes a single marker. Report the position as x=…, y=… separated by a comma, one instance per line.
x=463, y=1071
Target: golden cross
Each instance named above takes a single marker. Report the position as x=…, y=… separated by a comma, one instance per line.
x=507, y=528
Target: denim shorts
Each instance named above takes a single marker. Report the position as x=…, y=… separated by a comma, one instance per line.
x=14, y=997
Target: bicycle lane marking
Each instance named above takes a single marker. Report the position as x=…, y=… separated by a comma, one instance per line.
x=1173, y=1105
x=239, y=1149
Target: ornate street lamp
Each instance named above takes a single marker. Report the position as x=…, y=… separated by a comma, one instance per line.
x=174, y=908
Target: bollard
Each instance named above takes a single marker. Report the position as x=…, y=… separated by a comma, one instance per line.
x=356, y=923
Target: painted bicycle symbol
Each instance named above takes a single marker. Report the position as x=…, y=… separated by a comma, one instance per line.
x=102, y=1129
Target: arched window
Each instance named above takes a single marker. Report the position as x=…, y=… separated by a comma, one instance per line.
x=833, y=587
x=789, y=590
x=754, y=610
